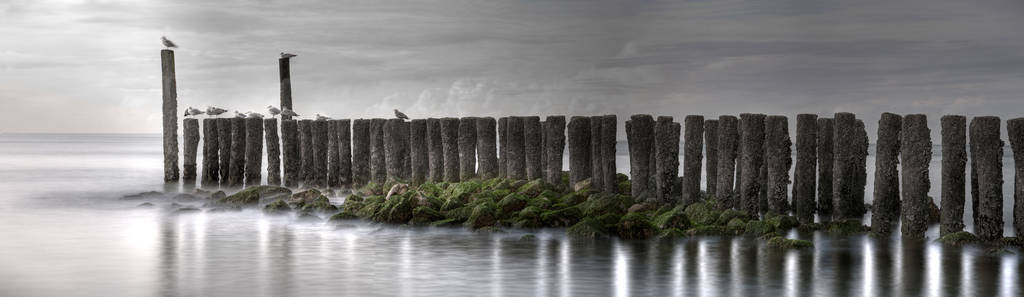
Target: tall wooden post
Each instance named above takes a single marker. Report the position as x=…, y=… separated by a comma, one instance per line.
x=916, y=154
x=692, y=156
x=666, y=151
x=516, y=163
x=418, y=151
x=579, y=150
x=273, y=152
x=467, y=148
x=284, y=67
x=728, y=148
x=292, y=153
x=989, y=155
x=211, y=162
x=844, y=172
x=954, y=164
x=344, y=130
x=886, y=203
x=224, y=145
x=191, y=143
x=170, y=111
x=435, y=151
x=360, y=152
x=554, y=149
x=237, y=168
x=486, y=147
x=825, y=163
x=640, y=138
x=711, y=156
x=253, y=151
x=532, y=147
x=804, y=175
x=752, y=129
x=778, y=160
x=319, y=129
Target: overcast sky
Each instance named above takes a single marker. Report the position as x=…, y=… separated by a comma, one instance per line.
x=94, y=66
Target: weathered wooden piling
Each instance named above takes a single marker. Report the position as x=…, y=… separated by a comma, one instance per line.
x=778, y=158
x=237, y=167
x=954, y=164
x=554, y=149
x=844, y=171
x=435, y=151
x=253, y=151
x=291, y=152
x=666, y=148
x=543, y=150
x=487, y=147
x=826, y=131
x=395, y=148
x=752, y=156
x=640, y=138
x=1015, y=130
x=989, y=156
x=467, y=148
x=728, y=147
x=360, y=152
x=406, y=172
x=320, y=160
x=596, y=157
x=692, y=155
x=170, y=115
x=378, y=159
x=273, y=152
x=211, y=162
x=579, y=149
x=860, y=146
x=916, y=153
x=285, y=74
x=516, y=163
x=804, y=175
x=450, y=145
x=306, y=153
x=886, y=203
x=532, y=147
x=191, y=148
x=418, y=151
x=711, y=156
x=344, y=130
x=224, y=148
x=609, y=126
x=502, y=146
x=333, y=158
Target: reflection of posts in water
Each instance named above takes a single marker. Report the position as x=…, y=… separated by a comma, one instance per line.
x=882, y=256
x=912, y=267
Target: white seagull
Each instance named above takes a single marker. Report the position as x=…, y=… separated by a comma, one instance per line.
x=253, y=115
x=322, y=118
x=285, y=55
x=400, y=115
x=191, y=111
x=289, y=112
x=168, y=43
x=273, y=110
x=215, y=111
x=239, y=115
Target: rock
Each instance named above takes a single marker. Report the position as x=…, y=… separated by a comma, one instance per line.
x=529, y=217
x=588, y=228
x=252, y=196
x=224, y=209
x=758, y=228
x=674, y=218
x=343, y=216
x=640, y=207
x=396, y=189
x=277, y=208
x=581, y=186
x=785, y=243
x=635, y=226
x=702, y=213
x=308, y=217
x=218, y=195
x=143, y=195
x=847, y=227
x=304, y=197
x=512, y=203
x=708, y=231
x=483, y=215
x=183, y=197
x=958, y=238
x=185, y=210
x=320, y=205
x=562, y=217
x=783, y=223
x=532, y=188
x=145, y=205
x=730, y=214
x=425, y=215
x=397, y=210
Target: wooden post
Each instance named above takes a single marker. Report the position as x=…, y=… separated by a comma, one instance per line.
x=395, y=143
x=418, y=151
x=532, y=147
x=306, y=151
x=378, y=159
x=825, y=162
x=711, y=156
x=609, y=125
x=989, y=155
x=752, y=128
x=487, y=149
x=844, y=174
x=666, y=143
x=360, y=152
x=692, y=156
x=253, y=151
x=224, y=148
x=319, y=172
x=284, y=68
x=886, y=205
x=804, y=175
x=450, y=148
x=503, y=147
x=170, y=111
x=273, y=152
x=191, y=143
x=467, y=148
x=916, y=154
x=728, y=148
x=1015, y=130
x=860, y=167
x=579, y=150
x=344, y=128
x=435, y=151
x=237, y=175
x=596, y=156
x=211, y=162
x=333, y=157
x=554, y=148
x=640, y=138
x=516, y=150
x=292, y=152
x=954, y=164
x=778, y=159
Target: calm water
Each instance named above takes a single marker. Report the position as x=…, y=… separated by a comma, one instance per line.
x=63, y=232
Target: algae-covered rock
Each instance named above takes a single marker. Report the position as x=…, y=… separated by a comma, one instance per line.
x=783, y=223
x=344, y=216
x=145, y=205
x=308, y=217
x=588, y=228
x=351, y=206
x=958, y=238
x=483, y=215
x=185, y=197
x=445, y=223
x=702, y=213
x=672, y=233
x=758, y=228
x=425, y=215
x=529, y=217
x=624, y=187
x=785, y=243
x=218, y=195
x=604, y=203
x=451, y=204
x=512, y=203
x=277, y=208
x=635, y=226
x=674, y=218
x=847, y=227
x=396, y=189
x=461, y=192
x=185, y=210
x=430, y=189
x=562, y=217
x=252, y=196
x=532, y=188
x=305, y=197
x=397, y=210
x=640, y=207
x=810, y=227
x=573, y=198
x=582, y=186
x=143, y=195
x=708, y=230
x=729, y=214
x=320, y=205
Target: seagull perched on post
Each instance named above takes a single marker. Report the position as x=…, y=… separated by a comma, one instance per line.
x=285, y=55
x=191, y=111
x=239, y=115
x=253, y=115
x=215, y=111
x=168, y=43
x=322, y=118
x=273, y=110
x=288, y=112
x=400, y=115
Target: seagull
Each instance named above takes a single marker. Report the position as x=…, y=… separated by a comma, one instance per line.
x=239, y=115
x=400, y=115
x=191, y=111
x=285, y=55
x=289, y=112
x=215, y=111
x=168, y=43
x=253, y=115
x=322, y=118
x=273, y=110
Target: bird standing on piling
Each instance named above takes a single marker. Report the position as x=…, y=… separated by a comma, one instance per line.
x=289, y=112
x=285, y=55
x=239, y=115
x=215, y=111
x=168, y=43
x=191, y=111
x=322, y=118
x=273, y=111
x=400, y=115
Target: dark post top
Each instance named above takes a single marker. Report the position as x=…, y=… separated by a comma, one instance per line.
x=286, y=85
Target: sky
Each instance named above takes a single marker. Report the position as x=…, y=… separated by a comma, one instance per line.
x=82, y=66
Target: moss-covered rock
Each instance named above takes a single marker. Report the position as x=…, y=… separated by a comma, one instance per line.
x=532, y=188
x=702, y=213
x=278, y=207
x=529, y=217
x=736, y=225
x=958, y=238
x=344, y=216
x=562, y=217
x=672, y=233
x=573, y=198
x=446, y=223
x=582, y=186
x=783, y=223
x=711, y=230
x=461, y=192
x=305, y=197
x=252, y=196
x=624, y=187
x=397, y=210
x=729, y=214
x=512, y=203
x=758, y=228
x=588, y=228
x=308, y=217
x=320, y=205
x=484, y=215
x=847, y=227
x=810, y=227
x=635, y=226
x=674, y=218
x=604, y=203
x=430, y=189
x=143, y=195
x=785, y=243
x=424, y=215
x=218, y=195
x=641, y=207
